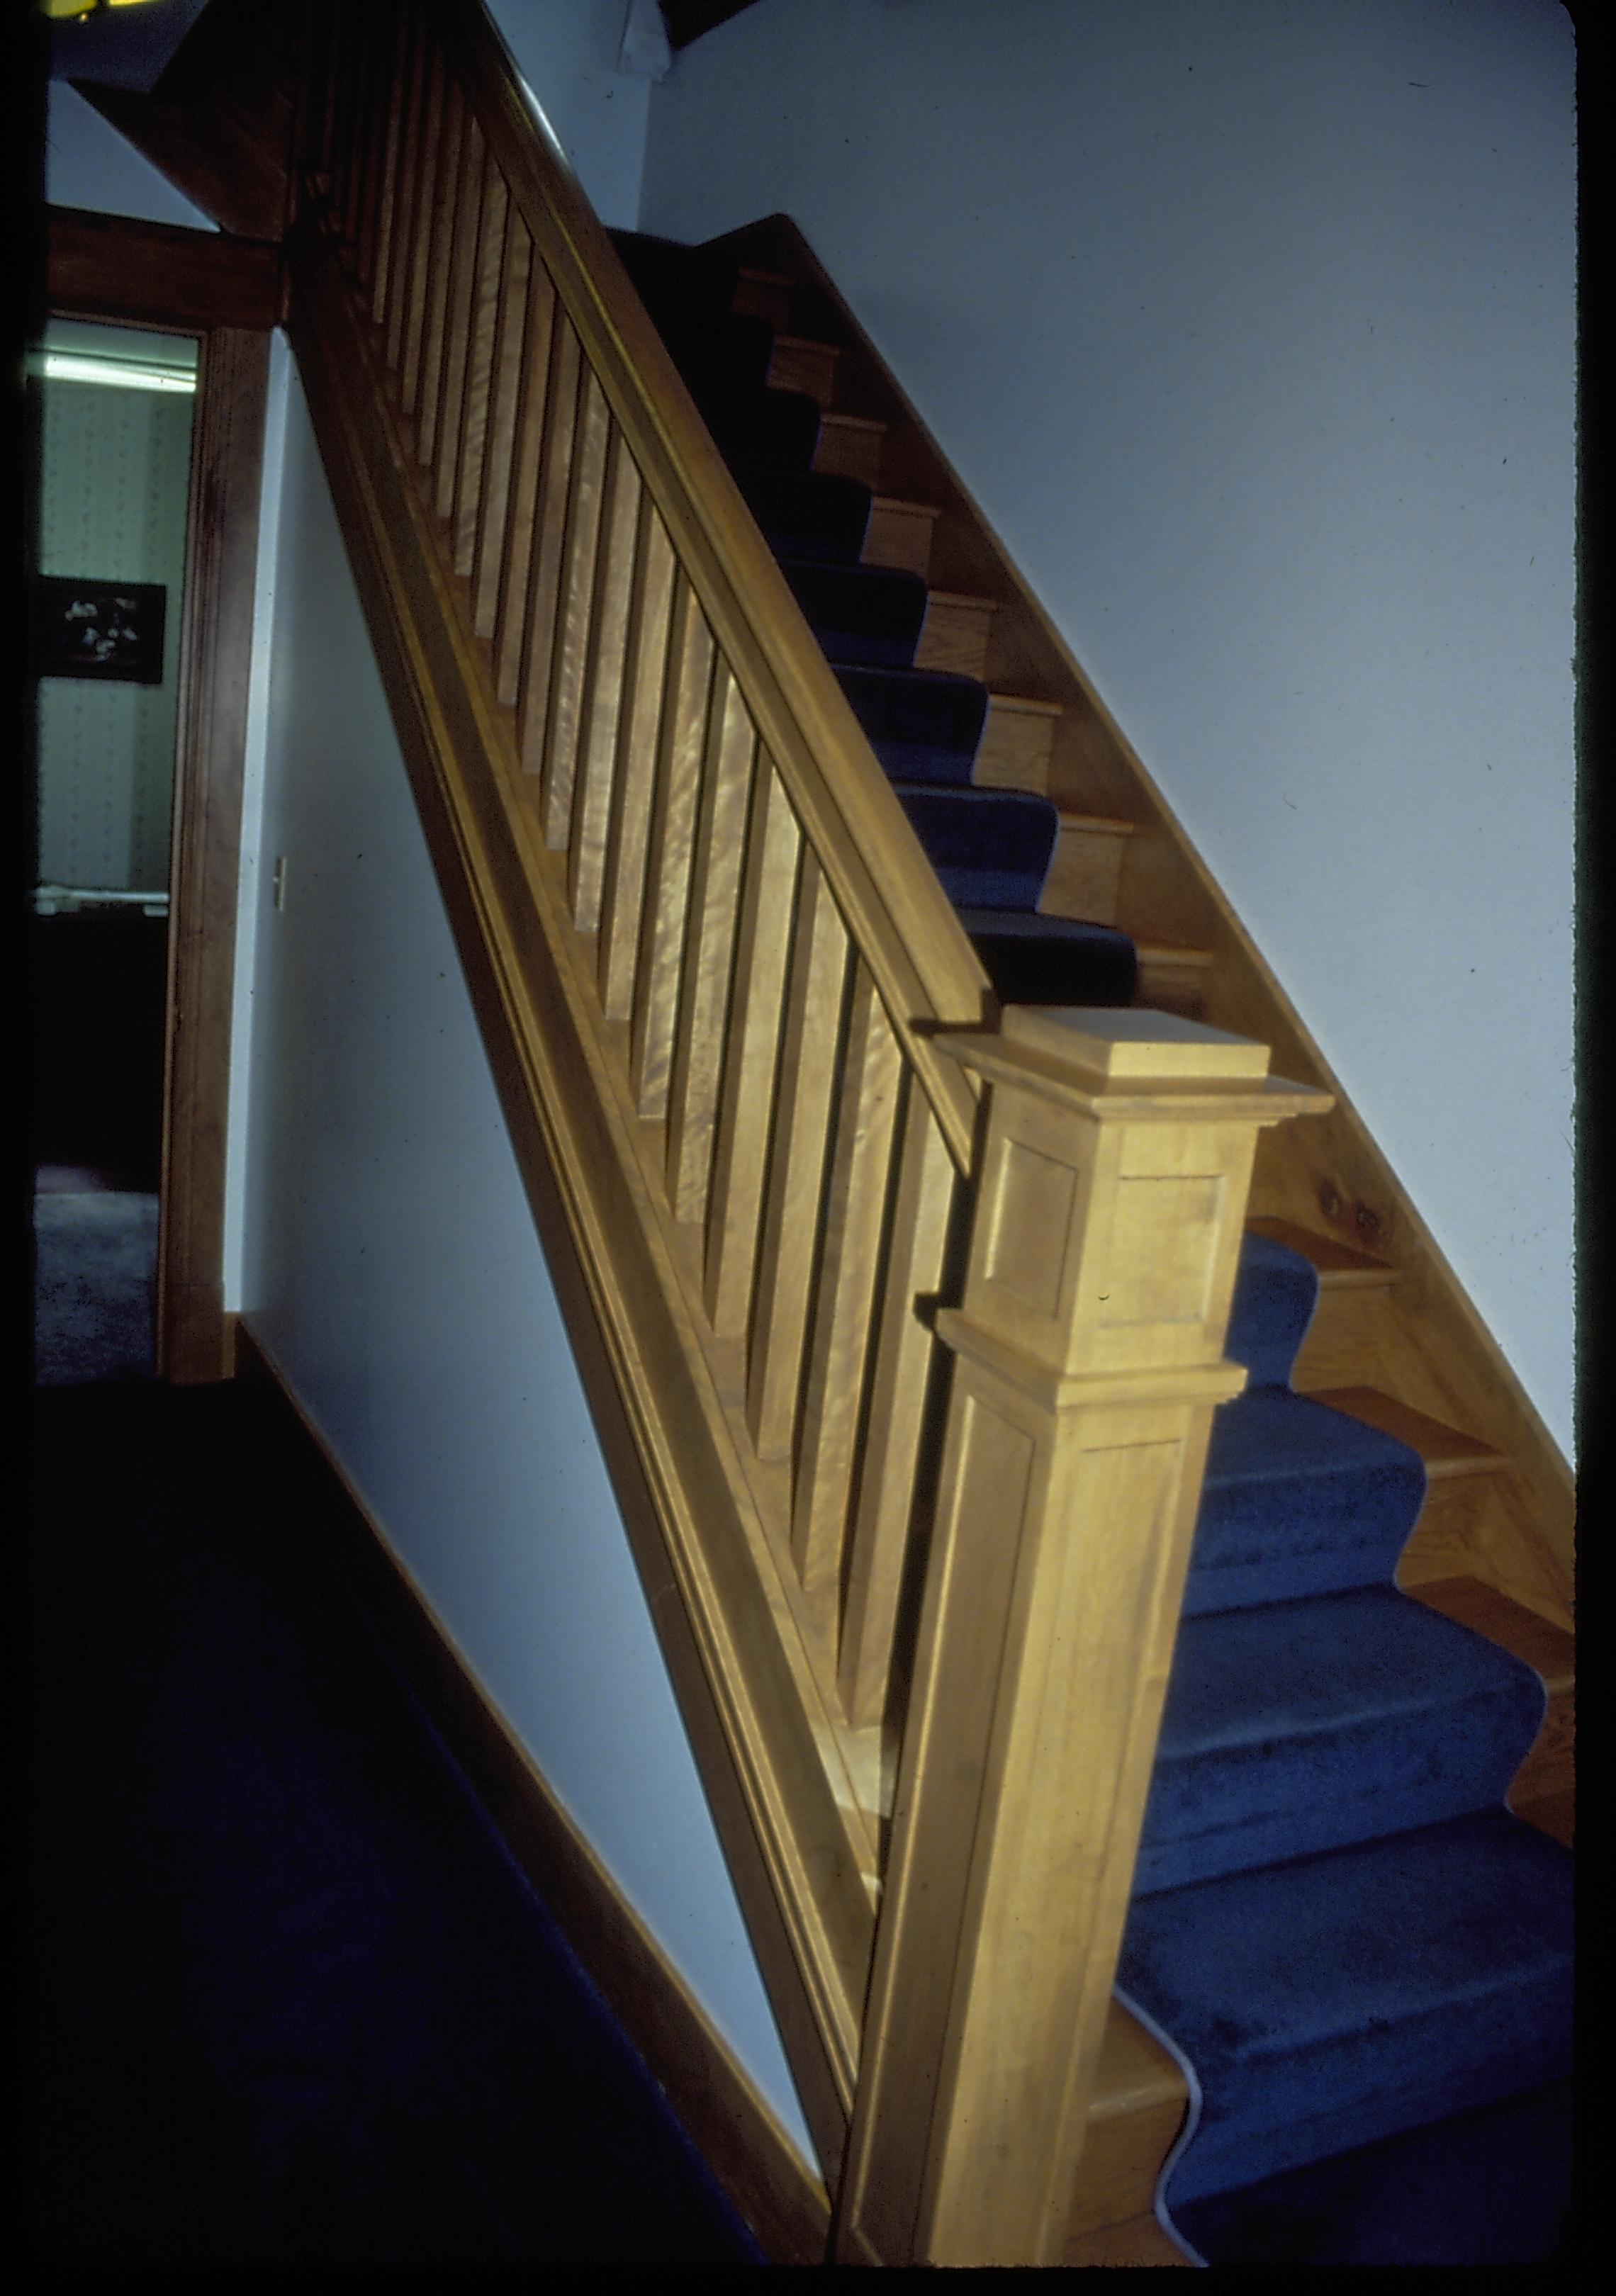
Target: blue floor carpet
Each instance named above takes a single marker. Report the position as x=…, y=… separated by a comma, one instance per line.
x=290, y=2003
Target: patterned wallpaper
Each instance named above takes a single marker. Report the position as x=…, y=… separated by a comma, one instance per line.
x=113, y=480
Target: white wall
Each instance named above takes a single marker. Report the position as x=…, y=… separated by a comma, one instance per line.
x=376, y=1228
x=1250, y=325
x=88, y=164
x=567, y=51
x=389, y=1263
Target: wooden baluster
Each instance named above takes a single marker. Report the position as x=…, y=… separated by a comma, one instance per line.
x=464, y=262
x=844, y=1296
x=574, y=607
x=789, y=1249
x=442, y=267
x=710, y=940
x=418, y=245
x=671, y=839
x=324, y=34
x=774, y=843
x=544, y=594
x=380, y=149
x=508, y=548
x=362, y=122
x=623, y=892
x=904, y=1393
x=497, y=465
x=400, y=91
x=477, y=390
x=342, y=52
x=1088, y=1362
x=615, y=578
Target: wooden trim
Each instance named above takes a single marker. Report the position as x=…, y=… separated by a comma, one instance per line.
x=156, y=274
x=215, y=653
x=713, y=2095
x=113, y=269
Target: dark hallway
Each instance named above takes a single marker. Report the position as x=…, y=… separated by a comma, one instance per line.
x=291, y=2002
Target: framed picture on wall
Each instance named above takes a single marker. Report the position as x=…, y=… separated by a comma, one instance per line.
x=85, y=629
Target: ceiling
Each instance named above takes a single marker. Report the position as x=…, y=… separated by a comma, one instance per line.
x=687, y=19
x=126, y=47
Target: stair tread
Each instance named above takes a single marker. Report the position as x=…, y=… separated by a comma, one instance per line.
x=1289, y=1668
x=1032, y=705
x=1399, y=1923
x=1425, y=1993
x=1444, y=1450
x=1338, y=1264
x=1099, y=824
x=1297, y=1728
x=1547, y=1649
x=1172, y=952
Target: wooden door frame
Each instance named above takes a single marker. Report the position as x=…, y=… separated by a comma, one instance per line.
x=118, y=271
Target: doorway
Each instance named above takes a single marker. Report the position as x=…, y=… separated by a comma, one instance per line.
x=116, y=434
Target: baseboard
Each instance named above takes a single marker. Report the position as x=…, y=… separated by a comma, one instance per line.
x=721, y=2108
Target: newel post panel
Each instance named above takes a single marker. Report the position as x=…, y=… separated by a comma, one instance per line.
x=1088, y=1359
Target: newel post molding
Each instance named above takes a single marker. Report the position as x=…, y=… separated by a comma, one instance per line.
x=1088, y=1359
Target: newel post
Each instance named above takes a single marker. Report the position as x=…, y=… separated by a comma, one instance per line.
x=1088, y=1361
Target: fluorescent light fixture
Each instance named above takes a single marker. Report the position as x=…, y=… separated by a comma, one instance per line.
x=122, y=374
x=75, y=11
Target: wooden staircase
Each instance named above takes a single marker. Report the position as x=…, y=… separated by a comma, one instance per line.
x=387, y=281
x=1463, y=1560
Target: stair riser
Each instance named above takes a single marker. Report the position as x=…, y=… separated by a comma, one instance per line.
x=1343, y=1347
x=851, y=449
x=758, y=295
x=1332, y=1788
x=955, y=635
x=804, y=366
x=1380, y=2098
x=1170, y=985
x=1551, y=1767
x=1015, y=749
x=899, y=534
x=1121, y=2161
x=1446, y=1539
x=1085, y=876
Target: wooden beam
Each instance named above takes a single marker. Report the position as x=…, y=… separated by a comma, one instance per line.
x=231, y=175
x=155, y=275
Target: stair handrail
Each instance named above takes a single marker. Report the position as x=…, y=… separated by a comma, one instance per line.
x=740, y=1038
x=928, y=975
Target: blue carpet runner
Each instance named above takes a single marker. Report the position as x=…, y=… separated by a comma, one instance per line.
x=291, y=2003
x=991, y=847
x=1364, y=1959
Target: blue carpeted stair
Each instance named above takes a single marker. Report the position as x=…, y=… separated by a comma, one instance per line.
x=1335, y=1921
x=991, y=847
x=1364, y=1959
